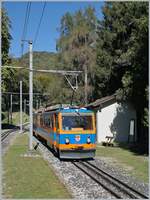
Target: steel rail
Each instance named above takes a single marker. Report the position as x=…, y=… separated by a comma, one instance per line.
x=119, y=185
x=95, y=179
x=7, y=133
x=120, y=182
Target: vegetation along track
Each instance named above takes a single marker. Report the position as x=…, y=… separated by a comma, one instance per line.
x=116, y=187
x=7, y=133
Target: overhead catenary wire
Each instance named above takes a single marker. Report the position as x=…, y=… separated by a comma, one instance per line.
x=22, y=49
x=38, y=28
x=27, y=15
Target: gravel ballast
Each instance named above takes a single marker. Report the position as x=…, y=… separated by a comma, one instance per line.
x=79, y=184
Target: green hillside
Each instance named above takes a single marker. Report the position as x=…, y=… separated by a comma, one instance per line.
x=44, y=60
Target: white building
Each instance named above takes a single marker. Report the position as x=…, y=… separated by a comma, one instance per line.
x=114, y=119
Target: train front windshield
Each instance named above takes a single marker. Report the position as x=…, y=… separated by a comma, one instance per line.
x=77, y=121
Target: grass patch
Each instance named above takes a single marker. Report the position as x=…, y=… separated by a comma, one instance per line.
x=136, y=165
x=29, y=177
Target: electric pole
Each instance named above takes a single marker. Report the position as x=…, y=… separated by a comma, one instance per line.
x=85, y=85
x=37, y=105
x=24, y=105
x=0, y=125
x=11, y=107
x=20, y=106
x=30, y=95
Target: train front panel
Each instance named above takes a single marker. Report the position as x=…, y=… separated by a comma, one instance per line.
x=76, y=135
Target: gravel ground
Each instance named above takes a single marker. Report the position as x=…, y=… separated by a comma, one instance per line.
x=79, y=184
x=120, y=174
x=8, y=141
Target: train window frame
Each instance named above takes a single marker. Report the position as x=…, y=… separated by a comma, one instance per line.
x=82, y=115
x=38, y=120
x=41, y=120
x=51, y=121
x=57, y=121
x=46, y=120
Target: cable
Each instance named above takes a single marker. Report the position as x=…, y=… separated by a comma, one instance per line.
x=25, y=25
x=25, y=22
x=38, y=28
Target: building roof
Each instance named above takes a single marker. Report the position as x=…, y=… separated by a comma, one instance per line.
x=102, y=101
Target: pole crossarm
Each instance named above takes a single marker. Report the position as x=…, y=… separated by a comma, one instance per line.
x=63, y=72
x=17, y=93
x=6, y=66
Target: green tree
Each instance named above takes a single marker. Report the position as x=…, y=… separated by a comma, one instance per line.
x=77, y=35
x=7, y=74
x=6, y=37
x=122, y=55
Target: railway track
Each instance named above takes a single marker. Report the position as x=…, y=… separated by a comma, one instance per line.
x=116, y=187
x=7, y=133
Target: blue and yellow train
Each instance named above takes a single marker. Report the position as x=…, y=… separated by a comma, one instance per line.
x=70, y=131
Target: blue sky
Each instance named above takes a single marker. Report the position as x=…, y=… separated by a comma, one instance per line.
x=48, y=33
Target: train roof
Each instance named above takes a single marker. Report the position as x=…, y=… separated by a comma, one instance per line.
x=70, y=110
x=64, y=108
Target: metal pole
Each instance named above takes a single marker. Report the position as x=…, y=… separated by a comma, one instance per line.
x=24, y=105
x=37, y=106
x=11, y=107
x=20, y=106
x=30, y=96
x=0, y=123
x=86, y=85
x=8, y=109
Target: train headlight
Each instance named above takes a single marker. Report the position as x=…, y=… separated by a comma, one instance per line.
x=67, y=140
x=88, y=140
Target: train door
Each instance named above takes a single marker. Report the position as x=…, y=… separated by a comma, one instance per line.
x=56, y=132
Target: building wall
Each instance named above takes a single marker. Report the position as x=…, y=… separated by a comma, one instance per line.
x=114, y=120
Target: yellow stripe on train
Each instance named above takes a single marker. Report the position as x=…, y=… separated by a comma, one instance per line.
x=75, y=146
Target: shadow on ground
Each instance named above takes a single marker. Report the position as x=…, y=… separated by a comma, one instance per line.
x=9, y=126
x=137, y=149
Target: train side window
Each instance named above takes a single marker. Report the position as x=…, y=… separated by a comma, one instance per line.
x=57, y=125
x=46, y=121
x=41, y=120
x=38, y=122
x=51, y=121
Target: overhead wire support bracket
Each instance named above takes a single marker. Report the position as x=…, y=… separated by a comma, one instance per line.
x=74, y=88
